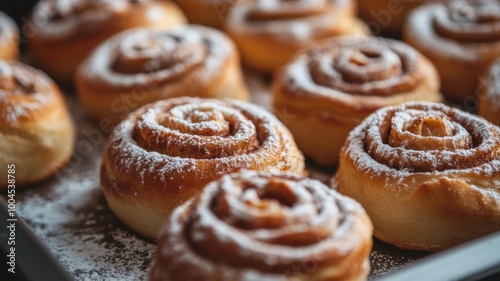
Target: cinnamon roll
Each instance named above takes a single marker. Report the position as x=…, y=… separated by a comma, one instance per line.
x=62, y=33
x=9, y=37
x=330, y=88
x=388, y=16
x=164, y=153
x=207, y=12
x=269, y=32
x=36, y=131
x=141, y=66
x=460, y=37
x=489, y=94
x=428, y=175
x=258, y=226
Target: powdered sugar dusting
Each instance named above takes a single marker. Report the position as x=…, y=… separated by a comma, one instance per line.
x=70, y=216
x=24, y=91
x=326, y=224
x=206, y=51
x=371, y=153
x=59, y=20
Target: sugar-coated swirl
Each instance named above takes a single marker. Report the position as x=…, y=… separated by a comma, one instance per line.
x=205, y=129
x=252, y=226
x=60, y=19
x=202, y=131
x=148, y=59
x=469, y=21
x=427, y=174
x=199, y=140
x=24, y=92
x=366, y=67
x=350, y=70
x=425, y=137
x=164, y=154
x=460, y=37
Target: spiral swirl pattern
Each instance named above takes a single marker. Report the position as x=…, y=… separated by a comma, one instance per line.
x=147, y=65
x=157, y=56
x=166, y=152
x=430, y=137
x=365, y=67
x=210, y=130
x=267, y=224
x=63, y=18
x=147, y=59
x=334, y=85
x=427, y=174
x=63, y=33
x=461, y=38
x=469, y=21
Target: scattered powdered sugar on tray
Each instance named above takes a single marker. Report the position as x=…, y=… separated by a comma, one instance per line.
x=69, y=214
x=72, y=219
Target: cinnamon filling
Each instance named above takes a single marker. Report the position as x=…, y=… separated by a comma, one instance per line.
x=430, y=138
x=16, y=81
x=202, y=131
x=369, y=67
x=244, y=214
x=148, y=53
x=469, y=21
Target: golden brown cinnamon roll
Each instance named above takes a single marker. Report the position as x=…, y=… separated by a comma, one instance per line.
x=460, y=37
x=269, y=32
x=268, y=227
x=428, y=175
x=9, y=37
x=207, y=12
x=489, y=94
x=388, y=16
x=62, y=33
x=328, y=89
x=163, y=154
x=141, y=66
x=36, y=131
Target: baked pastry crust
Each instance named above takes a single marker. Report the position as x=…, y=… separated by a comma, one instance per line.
x=489, y=94
x=164, y=153
x=328, y=89
x=252, y=226
x=207, y=12
x=428, y=175
x=62, y=34
x=141, y=66
x=269, y=33
x=36, y=132
x=9, y=38
x=461, y=38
